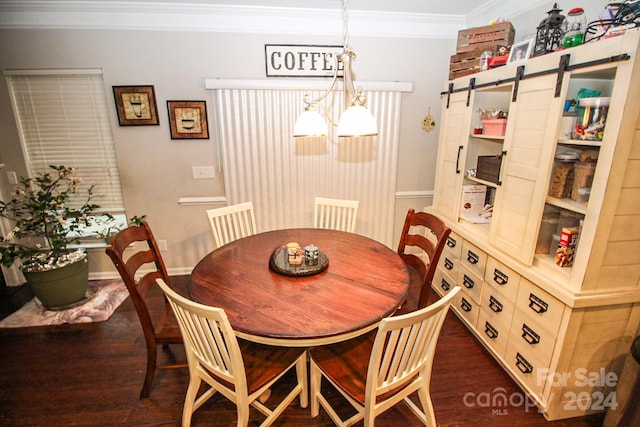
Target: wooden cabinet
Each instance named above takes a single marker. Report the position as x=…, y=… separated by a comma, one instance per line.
x=561, y=331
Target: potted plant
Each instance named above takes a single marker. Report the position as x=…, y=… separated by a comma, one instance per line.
x=44, y=225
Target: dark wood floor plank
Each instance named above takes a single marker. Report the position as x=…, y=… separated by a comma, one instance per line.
x=90, y=375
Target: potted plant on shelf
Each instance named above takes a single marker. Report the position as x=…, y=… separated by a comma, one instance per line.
x=44, y=226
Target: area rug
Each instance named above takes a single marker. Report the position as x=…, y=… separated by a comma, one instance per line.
x=103, y=298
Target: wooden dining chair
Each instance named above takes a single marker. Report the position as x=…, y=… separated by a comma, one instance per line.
x=240, y=370
x=421, y=242
x=231, y=223
x=335, y=214
x=159, y=325
x=376, y=371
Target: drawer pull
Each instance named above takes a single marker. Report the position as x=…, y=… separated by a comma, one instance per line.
x=468, y=282
x=464, y=305
x=472, y=257
x=499, y=277
x=444, y=285
x=494, y=304
x=538, y=305
x=490, y=331
x=530, y=335
x=522, y=364
x=448, y=264
x=451, y=242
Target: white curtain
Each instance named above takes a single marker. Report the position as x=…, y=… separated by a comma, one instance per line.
x=262, y=162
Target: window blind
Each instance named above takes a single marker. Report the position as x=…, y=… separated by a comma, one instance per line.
x=263, y=163
x=63, y=119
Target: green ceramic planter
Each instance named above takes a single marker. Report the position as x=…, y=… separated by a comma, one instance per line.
x=61, y=287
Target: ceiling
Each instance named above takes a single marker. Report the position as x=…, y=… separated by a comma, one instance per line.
x=458, y=7
x=366, y=18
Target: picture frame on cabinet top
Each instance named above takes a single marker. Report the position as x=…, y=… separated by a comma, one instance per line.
x=520, y=51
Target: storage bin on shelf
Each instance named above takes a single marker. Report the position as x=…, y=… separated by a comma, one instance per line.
x=562, y=180
x=592, y=117
x=548, y=228
x=582, y=177
x=488, y=168
x=496, y=127
x=583, y=195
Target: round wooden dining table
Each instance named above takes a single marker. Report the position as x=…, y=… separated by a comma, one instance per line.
x=363, y=282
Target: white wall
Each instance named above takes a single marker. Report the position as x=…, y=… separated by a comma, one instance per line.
x=156, y=171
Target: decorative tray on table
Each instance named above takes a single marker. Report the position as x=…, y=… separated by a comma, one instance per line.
x=279, y=262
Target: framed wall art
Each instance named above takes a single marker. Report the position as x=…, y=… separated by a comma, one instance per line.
x=188, y=119
x=136, y=105
x=520, y=51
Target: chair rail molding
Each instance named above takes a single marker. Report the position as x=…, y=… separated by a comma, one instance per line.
x=413, y=194
x=202, y=200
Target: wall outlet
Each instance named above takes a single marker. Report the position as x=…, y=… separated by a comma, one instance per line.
x=162, y=245
x=12, y=177
x=203, y=172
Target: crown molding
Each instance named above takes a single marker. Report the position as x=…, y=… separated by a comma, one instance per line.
x=152, y=16
x=493, y=9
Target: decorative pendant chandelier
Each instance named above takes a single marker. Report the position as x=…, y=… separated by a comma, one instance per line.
x=356, y=120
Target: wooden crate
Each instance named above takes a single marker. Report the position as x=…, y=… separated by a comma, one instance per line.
x=464, y=64
x=484, y=38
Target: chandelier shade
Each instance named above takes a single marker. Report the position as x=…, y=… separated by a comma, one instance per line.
x=357, y=121
x=310, y=123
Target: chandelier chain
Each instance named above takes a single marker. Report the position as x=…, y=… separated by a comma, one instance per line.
x=345, y=24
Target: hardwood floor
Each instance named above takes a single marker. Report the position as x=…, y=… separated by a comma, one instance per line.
x=91, y=374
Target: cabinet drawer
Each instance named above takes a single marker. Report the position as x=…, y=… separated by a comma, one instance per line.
x=449, y=264
x=453, y=246
x=473, y=258
x=466, y=307
x=502, y=277
x=470, y=282
x=493, y=331
x=442, y=283
x=543, y=307
x=531, y=335
x=496, y=304
x=526, y=368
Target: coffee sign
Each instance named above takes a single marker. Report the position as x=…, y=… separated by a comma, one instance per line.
x=302, y=60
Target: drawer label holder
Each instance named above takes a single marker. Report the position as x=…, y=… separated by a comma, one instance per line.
x=537, y=304
x=468, y=282
x=490, y=331
x=500, y=278
x=464, y=305
x=494, y=304
x=530, y=335
x=448, y=264
x=523, y=364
